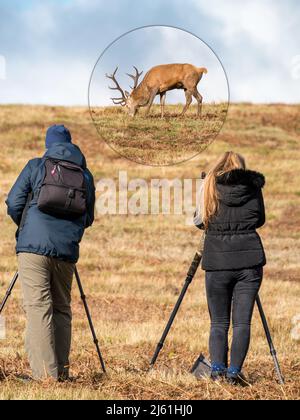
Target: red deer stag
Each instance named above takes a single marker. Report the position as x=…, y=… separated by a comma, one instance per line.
x=157, y=81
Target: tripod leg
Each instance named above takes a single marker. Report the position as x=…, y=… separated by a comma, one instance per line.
x=270, y=342
x=96, y=342
x=189, y=278
x=9, y=290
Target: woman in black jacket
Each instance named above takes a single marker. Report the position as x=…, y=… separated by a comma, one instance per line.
x=231, y=209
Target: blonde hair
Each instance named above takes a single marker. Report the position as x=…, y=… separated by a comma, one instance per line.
x=227, y=162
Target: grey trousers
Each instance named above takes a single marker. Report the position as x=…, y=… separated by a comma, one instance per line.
x=46, y=288
x=231, y=292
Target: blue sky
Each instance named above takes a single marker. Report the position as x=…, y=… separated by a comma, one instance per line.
x=48, y=48
x=151, y=45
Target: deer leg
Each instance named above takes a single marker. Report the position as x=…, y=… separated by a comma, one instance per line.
x=152, y=96
x=162, y=103
x=188, y=101
x=199, y=99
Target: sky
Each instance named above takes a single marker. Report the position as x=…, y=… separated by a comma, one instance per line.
x=154, y=45
x=48, y=48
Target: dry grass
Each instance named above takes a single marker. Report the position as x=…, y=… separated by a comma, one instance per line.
x=133, y=267
x=156, y=141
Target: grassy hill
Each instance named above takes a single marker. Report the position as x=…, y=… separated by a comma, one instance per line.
x=133, y=267
x=158, y=141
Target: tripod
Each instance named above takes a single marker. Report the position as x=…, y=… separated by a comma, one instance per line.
x=86, y=308
x=190, y=275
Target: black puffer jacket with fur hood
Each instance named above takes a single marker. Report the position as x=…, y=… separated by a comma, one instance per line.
x=231, y=241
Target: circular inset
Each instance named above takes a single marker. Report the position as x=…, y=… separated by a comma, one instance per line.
x=158, y=95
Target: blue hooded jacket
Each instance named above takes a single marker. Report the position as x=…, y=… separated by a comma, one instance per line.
x=42, y=233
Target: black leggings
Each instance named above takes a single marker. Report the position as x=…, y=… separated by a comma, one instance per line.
x=236, y=289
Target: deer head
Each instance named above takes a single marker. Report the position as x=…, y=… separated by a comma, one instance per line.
x=125, y=99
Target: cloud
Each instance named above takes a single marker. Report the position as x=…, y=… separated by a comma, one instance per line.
x=51, y=46
x=159, y=45
x=47, y=84
x=258, y=20
x=260, y=39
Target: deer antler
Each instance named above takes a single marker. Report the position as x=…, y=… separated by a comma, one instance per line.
x=135, y=77
x=123, y=99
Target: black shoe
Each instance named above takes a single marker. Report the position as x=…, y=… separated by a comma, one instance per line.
x=236, y=379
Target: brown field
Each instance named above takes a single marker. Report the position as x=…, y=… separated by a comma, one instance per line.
x=160, y=141
x=133, y=268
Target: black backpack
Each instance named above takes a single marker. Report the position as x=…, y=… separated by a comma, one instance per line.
x=63, y=190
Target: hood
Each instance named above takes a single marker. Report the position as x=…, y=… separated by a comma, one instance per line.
x=57, y=134
x=236, y=187
x=66, y=151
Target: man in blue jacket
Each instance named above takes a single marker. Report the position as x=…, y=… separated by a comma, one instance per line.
x=47, y=249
